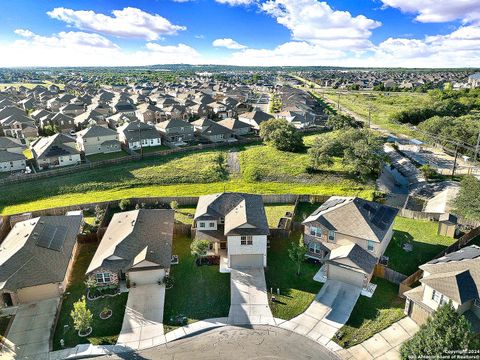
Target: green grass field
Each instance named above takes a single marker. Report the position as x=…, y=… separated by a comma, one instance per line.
x=383, y=105
x=276, y=211
x=426, y=244
x=183, y=174
x=104, y=331
x=199, y=292
x=297, y=292
x=102, y=157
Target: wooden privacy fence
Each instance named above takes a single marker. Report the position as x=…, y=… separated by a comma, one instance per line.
x=386, y=273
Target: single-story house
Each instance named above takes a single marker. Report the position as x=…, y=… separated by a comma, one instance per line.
x=255, y=118
x=212, y=131
x=238, y=127
x=55, y=151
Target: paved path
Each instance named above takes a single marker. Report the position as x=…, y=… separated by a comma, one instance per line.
x=384, y=345
x=233, y=162
x=143, y=321
x=328, y=312
x=249, y=297
x=236, y=343
x=29, y=335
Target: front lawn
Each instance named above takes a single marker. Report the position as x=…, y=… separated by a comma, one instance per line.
x=104, y=331
x=102, y=157
x=276, y=211
x=297, y=292
x=372, y=315
x=198, y=292
x=426, y=244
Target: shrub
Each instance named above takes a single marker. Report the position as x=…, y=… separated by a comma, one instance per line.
x=124, y=204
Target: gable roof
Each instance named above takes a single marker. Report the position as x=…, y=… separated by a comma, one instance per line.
x=210, y=127
x=55, y=145
x=9, y=143
x=233, y=124
x=134, y=236
x=96, y=131
x=353, y=256
x=355, y=217
x=37, y=251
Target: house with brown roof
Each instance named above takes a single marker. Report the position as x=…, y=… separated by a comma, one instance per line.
x=453, y=278
x=348, y=235
x=136, y=246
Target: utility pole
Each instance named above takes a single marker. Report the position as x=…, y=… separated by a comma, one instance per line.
x=455, y=161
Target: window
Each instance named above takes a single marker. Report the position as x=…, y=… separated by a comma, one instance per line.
x=211, y=224
x=370, y=246
x=246, y=240
x=103, y=278
x=436, y=296
x=201, y=224
x=314, y=247
x=331, y=235
x=222, y=220
x=315, y=231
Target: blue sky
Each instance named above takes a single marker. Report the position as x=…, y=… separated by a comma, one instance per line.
x=405, y=33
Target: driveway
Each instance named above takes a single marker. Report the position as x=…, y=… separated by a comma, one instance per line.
x=143, y=321
x=29, y=335
x=249, y=298
x=328, y=312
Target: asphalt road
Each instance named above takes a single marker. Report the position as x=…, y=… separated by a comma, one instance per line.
x=237, y=343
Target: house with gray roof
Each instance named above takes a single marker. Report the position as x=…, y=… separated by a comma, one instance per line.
x=10, y=161
x=238, y=127
x=98, y=140
x=255, y=118
x=176, y=132
x=212, y=131
x=137, y=246
x=137, y=134
x=236, y=226
x=348, y=235
x=453, y=278
x=55, y=151
x=11, y=145
x=36, y=258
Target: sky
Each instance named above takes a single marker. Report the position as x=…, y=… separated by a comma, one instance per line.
x=366, y=33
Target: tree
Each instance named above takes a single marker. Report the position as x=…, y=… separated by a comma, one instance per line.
x=282, y=135
x=339, y=121
x=467, y=202
x=174, y=205
x=199, y=248
x=124, y=204
x=296, y=253
x=427, y=171
x=444, y=330
x=81, y=315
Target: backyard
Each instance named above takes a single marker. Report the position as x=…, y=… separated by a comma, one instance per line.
x=199, y=292
x=371, y=315
x=422, y=235
x=108, y=156
x=104, y=331
x=296, y=292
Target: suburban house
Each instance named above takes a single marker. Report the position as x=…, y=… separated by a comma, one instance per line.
x=55, y=151
x=11, y=161
x=176, y=131
x=454, y=277
x=137, y=246
x=236, y=226
x=72, y=109
x=212, y=131
x=255, y=118
x=98, y=140
x=11, y=145
x=147, y=112
x=238, y=127
x=137, y=134
x=36, y=258
x=349, y=235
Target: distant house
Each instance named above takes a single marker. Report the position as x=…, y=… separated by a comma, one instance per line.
x=236, y=226
x=474, y=80
x=349, y=235
x=255, y=118
x=136, y=246
x=15, y=123
x=299, y=119
x=126, y=108
x=98, y=140
x=212, y=131
x=37, y=258
x=176, y=131
x=238, y=127
x=454, y=277
x=73, y=110
x=55, y=151
x=62, y=122
x=137, y=134
x=149, y=113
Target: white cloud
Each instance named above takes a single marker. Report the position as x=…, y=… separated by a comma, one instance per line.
x=316, y=22
x=438, y=10
x=228, y=43
x=129, y=22
x=236, y=2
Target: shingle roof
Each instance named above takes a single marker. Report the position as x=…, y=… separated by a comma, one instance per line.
x=9, y=143
x=130, y=233
x=9, y=156
x=55, y=145
x=96, y=131
x=353, y=256
x=233, y=124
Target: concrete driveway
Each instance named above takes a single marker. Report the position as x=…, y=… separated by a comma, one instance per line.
x=248, y=297
x=328, y=312
x=143, y=321
x=29, y=335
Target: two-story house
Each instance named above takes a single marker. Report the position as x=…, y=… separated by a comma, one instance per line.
x=137, y=134
x=176, y=131
x=348, y=235
x=55, y=151
x=453, y=278
x=236, y=226
x=98, y=140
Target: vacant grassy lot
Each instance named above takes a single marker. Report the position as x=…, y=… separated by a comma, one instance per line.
x=297, y=292
x=426, y=244
x=104, y=331
x=371, y=315
x=383, y=106
x=199, y=292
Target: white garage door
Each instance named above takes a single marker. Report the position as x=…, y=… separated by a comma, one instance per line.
x=250, y=260
x=345, y=275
